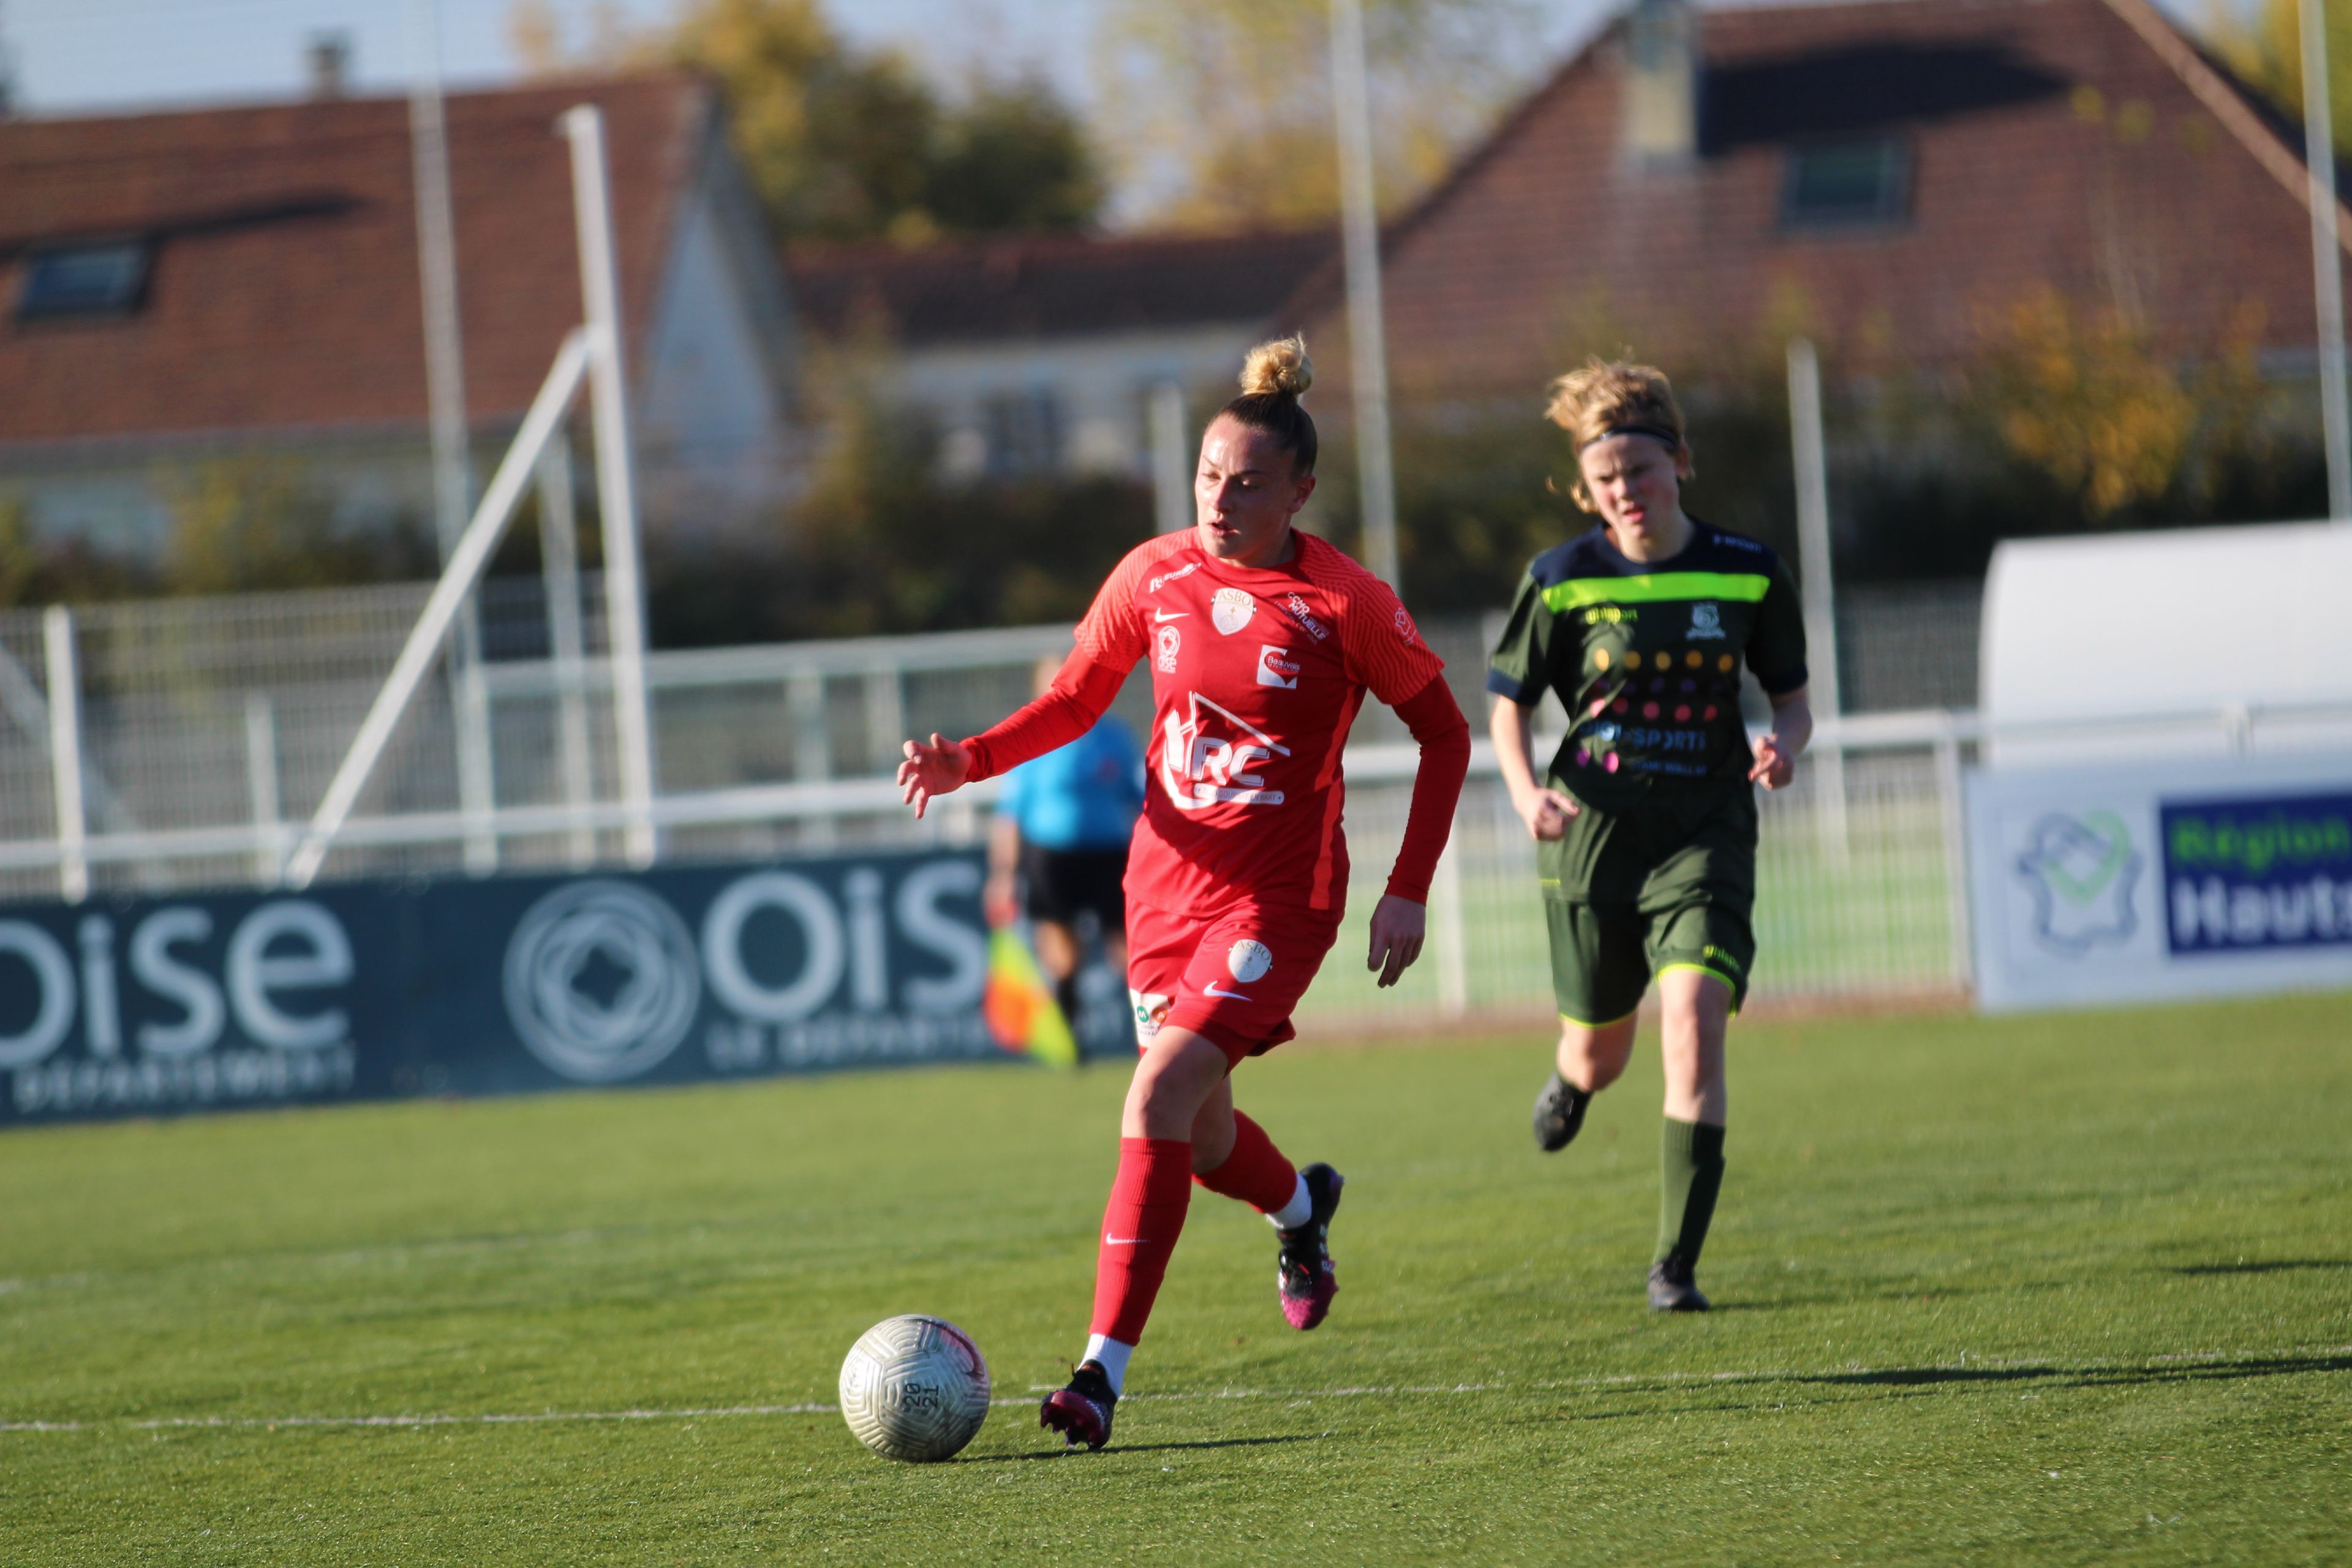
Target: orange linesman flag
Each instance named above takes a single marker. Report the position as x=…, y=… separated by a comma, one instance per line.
x=1020, y=1007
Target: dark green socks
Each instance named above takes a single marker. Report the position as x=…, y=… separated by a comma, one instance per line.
x=1691, y=1162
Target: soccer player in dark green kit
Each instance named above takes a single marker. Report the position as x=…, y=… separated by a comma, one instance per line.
x=1646, y=822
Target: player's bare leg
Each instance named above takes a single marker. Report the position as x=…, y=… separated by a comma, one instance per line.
x=1590, y=1058
x=1696, y=1014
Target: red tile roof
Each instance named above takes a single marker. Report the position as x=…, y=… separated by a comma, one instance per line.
x=284, y=293
x=2078, y=143
x=966, y=291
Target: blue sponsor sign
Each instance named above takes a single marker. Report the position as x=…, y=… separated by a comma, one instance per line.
x=2265, y=873
x=373, y=990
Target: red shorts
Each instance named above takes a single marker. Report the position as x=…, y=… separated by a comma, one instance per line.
x=1232, y=978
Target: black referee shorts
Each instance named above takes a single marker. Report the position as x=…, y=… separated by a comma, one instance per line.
x=1061, y=884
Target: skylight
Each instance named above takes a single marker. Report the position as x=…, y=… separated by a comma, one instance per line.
x=107, y=279
x=1847, y=184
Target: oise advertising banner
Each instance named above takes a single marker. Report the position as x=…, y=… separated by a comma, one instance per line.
x=368, y=990
x=2160, y=881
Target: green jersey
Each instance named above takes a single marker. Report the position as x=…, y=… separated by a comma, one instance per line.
x=1645, y=656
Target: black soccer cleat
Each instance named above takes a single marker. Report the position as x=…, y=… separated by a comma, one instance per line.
x=1673, y=1288
x=1081, y=1413
x=1560, y=1114
x=1303, y=1274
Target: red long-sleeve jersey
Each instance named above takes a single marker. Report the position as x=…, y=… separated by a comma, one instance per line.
x=1256, y=676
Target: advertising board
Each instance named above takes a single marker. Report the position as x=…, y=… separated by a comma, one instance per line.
x=370, y=990
x=2159, y=881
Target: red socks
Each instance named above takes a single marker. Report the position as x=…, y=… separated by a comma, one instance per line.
x=1256, y=1171
x=1141, y=1225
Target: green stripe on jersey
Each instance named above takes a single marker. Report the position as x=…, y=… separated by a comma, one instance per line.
x=1650, y=588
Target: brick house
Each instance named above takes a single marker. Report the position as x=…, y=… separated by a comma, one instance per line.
x=1883, y=173
x=244, y=280
x=1041, y=355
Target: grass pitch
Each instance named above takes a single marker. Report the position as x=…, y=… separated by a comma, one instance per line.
x=2059, y=1291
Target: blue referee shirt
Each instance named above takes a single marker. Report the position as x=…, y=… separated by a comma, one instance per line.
x=1083, y=795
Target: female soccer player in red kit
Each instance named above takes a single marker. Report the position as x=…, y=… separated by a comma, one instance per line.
x=1262, y=641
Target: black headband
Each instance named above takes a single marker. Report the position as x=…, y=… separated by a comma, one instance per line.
x=1654, y=432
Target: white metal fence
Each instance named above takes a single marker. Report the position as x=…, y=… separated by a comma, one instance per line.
x=208, y=730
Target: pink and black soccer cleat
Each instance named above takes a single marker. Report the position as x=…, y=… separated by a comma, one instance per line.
x=1081, y=1413
x=1304, y=1274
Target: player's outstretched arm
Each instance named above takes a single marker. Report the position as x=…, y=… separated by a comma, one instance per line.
x=938, y=768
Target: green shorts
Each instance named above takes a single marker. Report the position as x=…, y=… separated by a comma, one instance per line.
x=1634, y=893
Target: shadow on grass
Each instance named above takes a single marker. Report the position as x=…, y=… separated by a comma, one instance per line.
x=2274, y=1265
x=2222, y=1370
x=1142, y=1448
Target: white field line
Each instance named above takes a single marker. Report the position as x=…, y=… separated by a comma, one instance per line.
x=2056, y=1366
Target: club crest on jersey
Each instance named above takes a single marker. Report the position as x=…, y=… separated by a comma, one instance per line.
x=1170, y=640
x=1276, y=668
x=1706, y=623
x=1246, y=960
x=1231, y=609
x=1209, y=759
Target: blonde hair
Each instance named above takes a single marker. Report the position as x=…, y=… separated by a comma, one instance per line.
x=1274, y=375
x=1278, y=368
x=1605, y=396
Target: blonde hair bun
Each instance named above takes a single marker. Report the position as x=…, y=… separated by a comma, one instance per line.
x=1278, y=368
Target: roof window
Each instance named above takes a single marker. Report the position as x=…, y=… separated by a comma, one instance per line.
x=106, y=279
x=1847, y=184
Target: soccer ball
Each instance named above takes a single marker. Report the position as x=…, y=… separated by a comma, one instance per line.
x=914, y=1388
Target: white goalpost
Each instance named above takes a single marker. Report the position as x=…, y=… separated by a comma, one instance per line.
x=591, y=356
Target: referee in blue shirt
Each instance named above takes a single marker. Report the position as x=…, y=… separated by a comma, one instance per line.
x=1060, y=839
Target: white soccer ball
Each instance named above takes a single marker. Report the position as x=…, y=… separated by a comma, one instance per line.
x=914, y=1388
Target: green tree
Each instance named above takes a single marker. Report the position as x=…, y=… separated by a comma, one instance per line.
x=2263, y=43
x=841, y=143
x=245, y=524
x=1221, y=109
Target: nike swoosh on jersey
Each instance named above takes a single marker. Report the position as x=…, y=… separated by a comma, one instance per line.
x=1229, y=996
x=1165, y=616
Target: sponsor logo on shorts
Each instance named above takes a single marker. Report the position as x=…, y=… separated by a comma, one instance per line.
x=1170, y=640
x=1151, y=1011
x=1706, y=623
x=1231, y=609
x=1276, y=668
x=1228, y=995
x=1295, y=609
x=1181, y=571
x=1249, y=960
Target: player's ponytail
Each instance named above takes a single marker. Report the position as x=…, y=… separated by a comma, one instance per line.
x=1275, y=376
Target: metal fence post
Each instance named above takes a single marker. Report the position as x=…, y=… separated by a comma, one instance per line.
x=616, y=492
x=559, y=564
x=261, y=783
x=1450, y=932
x=65, y=752
x=1171, y=465
x=1950, y=794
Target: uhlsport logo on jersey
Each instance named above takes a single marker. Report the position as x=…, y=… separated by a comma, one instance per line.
x=1276, y=668
x=1706, y=623
x=1211, y=759
x=602, y=980
x=2263, y=873
x=1232, y=608
x=2081, y=871
x=1170, y=640
x=1249, y=960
